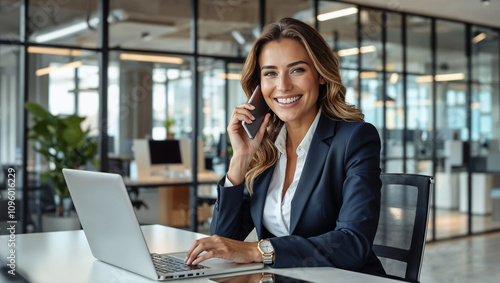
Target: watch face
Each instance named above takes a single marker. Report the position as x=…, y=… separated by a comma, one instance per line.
x=266, y=247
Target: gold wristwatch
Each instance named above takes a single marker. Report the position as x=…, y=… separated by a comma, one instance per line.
x=266, y=249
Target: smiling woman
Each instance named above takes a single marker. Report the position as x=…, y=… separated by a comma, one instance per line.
x=290, y=83
x=311, y=172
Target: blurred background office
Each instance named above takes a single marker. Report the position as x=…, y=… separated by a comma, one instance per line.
x=425, y=73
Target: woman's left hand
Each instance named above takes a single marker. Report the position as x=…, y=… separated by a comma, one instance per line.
x=220, y=247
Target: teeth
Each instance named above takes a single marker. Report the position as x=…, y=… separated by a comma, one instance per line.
x=288, y=100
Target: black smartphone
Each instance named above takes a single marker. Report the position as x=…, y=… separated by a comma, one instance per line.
x=260, y=111
x=257, y=278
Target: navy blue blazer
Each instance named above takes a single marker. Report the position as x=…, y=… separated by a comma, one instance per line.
x=335, y=209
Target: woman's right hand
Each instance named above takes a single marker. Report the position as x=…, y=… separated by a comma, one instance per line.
x=244, y=148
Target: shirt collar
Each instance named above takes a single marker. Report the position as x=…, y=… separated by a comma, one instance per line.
x=306, y=142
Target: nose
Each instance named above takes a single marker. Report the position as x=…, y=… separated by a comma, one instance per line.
x=284, y=84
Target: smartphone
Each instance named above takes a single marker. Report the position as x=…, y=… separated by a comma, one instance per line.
x=257, y=278
x=260, y=111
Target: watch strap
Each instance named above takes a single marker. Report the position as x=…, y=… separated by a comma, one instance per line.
x=267, y=258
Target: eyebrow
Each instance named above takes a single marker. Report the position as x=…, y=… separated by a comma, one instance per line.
x=288, y=66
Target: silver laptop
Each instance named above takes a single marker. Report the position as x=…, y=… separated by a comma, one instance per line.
x=115, y=237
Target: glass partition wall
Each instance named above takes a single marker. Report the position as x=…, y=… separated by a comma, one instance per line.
x=429, y=85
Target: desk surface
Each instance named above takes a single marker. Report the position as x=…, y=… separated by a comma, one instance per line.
x=66, y=257
x=155, y=180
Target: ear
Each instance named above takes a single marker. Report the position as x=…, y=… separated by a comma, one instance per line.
x=322, y=81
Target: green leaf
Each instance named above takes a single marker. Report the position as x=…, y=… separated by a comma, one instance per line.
x=37, y=110
x=73, y=121
x=51, y=130
x=73, y=136
x=41, y=129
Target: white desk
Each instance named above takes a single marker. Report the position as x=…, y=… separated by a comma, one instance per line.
x=66, y=257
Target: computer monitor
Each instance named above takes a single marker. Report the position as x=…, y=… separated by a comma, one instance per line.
x=165, y=157
x=165, y=152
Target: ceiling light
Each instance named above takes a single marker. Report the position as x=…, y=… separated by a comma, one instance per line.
x=84, y=90
x=394, y=78
x=388, y=103
x=355, y=50
x=81, y=25
x=48, y=70
x=54, y=51
x=479, y=37
x=475, y=105
x=337, y=14
x=423, y=79
x=230, y=76
x=150, y=58
x=450, y=77
x=441, y=78
x=368, y=75
x=486, y=2
x=238, y=37
x=65, y=31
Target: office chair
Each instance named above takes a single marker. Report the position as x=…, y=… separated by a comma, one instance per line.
x=41, y=200
x=400, y=238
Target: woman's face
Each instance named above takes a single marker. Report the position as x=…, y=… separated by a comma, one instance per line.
x=289, y=81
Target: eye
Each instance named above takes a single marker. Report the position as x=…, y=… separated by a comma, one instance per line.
x=298, y=70
x=269, y=74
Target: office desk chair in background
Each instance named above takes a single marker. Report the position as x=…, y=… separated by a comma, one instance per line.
x=400, y=239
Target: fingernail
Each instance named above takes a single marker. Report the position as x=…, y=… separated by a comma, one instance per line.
x=253, y=118
x=251, y=106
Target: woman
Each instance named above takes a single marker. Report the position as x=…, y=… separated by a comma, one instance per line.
x=312, y=171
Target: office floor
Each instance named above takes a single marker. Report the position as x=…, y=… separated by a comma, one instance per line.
x=470, y=259
x=452, y=223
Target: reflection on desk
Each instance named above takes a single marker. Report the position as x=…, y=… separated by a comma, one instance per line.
x=66, y=257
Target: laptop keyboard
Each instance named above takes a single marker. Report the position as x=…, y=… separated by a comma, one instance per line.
x=170, y=264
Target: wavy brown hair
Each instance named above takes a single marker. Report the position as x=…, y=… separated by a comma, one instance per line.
x=331, y=99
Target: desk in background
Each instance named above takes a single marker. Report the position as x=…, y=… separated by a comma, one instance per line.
x=173, y=196
x=66, y=257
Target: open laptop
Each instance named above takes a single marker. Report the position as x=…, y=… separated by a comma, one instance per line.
x=115, y=237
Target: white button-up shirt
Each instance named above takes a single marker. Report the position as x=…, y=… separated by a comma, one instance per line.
x=276, y=216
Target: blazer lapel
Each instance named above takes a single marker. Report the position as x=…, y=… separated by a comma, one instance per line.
x=261, y=185
x=313, y=167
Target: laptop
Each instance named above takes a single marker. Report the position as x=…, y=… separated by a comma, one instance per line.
x=115, y=237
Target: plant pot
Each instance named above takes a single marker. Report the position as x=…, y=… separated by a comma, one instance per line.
x=64, y=206
x=51, y=223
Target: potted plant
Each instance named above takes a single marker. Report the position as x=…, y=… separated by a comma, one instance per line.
x=61, y=140
x=169, y=124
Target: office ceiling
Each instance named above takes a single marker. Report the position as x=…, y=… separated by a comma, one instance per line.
x=472, y=11
x=166, y=24
x=167, y=19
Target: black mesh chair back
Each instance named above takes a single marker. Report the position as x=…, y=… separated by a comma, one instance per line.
x=400, y=239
